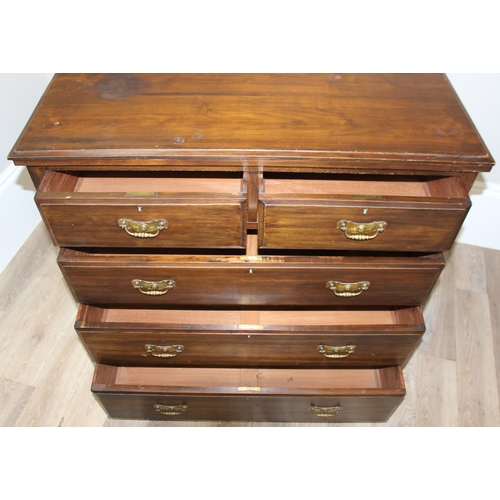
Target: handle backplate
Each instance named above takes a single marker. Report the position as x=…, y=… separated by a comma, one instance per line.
x=336, y=352
x=325, y=411
x=171, y=410
x=361, y=231
x=153, y=287
x=347, y=290
x=143, y=228
x=168, y=351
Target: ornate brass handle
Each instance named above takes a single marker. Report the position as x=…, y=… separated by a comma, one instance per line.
x=153, y=287
x=171, y=410
x=361, y=230
x=325, y=411
x=143, y=228
x=333, y=352
x=168, y=351
x=348, y=289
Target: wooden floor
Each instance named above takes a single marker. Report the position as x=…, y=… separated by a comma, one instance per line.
x=45, y=373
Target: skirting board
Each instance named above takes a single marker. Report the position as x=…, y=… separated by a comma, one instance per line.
x=19, y=215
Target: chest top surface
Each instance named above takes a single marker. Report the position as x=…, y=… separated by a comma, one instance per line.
x=304, y=120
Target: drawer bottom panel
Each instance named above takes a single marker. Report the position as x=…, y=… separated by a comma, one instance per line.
x=261, y=395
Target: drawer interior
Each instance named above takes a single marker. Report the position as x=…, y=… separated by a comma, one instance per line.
x=244, y=319
x=245, y=380
x=143, y=183
x=364, y=186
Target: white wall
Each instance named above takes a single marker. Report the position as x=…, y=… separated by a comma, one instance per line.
x=19, y=94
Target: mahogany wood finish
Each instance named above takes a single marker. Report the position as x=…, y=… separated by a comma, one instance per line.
x=106, y=279
x=279, y=395
x=277, y=338
x=254, y=179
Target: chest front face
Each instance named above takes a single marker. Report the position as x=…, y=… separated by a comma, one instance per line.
x=225, y=234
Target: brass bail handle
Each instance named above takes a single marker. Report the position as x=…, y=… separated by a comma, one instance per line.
x=325, y=411
x=361, y=231
x=171, y=410
x=168, y=351
x=153, y=287
x=143, y=228
x=347, y=290
x=336, y=352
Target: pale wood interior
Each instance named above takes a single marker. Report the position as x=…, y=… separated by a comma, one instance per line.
x=172, y=317
x=369, y=187
x=159, y=185
x=251, y=317
x=263, y=378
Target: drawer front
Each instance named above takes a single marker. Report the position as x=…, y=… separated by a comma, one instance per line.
x=330, y=226
x=162, y=224
x=159, y=280
x=143, y=209
x=251, y=408
x=257, y=395
x=276, y=338
x=248, y=349
x=363, y=213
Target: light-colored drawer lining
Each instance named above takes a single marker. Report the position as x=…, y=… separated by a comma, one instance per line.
x=159, y=184
x=255, y=378
x=251, y=317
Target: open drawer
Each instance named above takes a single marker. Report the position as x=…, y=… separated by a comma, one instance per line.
x=143, y=209
x=362, y=212
x=267, y=337
x=259, y=394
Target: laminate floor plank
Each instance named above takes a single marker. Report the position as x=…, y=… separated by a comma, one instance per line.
x=478, y=402
x=439, y=339
x=14, y=397
x=55, y=391
x=45, y=373
x=492, y=262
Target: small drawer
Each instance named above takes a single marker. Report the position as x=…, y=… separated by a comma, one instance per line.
x=162, y=280
x=260, y=394
x=267, y=337
x=362, y=213
x=155, y=211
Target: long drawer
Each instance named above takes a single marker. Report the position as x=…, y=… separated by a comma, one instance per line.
x=159, y=280
x=268, y=395
x=267, y=337
x=87, y=210
x=362, y=213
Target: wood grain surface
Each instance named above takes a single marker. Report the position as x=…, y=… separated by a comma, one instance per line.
x=46, y=373
x=328, y=119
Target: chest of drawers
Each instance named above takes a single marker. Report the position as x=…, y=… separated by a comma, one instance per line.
x=251, y=247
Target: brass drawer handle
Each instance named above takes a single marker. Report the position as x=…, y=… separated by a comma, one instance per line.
x=153, y=287
x=325, y=411
x=143, y=229
x=348, y=289
x=333, y=352
x=361, y=230
x=168, y=351
x=171, y=410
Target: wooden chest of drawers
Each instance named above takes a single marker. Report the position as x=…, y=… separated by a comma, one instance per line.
x=251, y=247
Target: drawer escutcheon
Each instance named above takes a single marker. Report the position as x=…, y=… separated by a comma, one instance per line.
x=334, y=352
x=153, y=287
x=143, y=229
x=348, y=289
x=361, y=231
